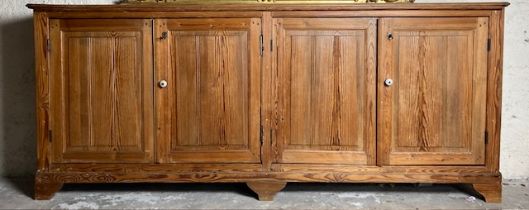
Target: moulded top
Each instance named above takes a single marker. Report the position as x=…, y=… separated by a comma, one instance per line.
x=168, y=7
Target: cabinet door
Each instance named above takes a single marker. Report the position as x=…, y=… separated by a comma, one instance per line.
x=209, y=111
x=434, y=112
x=325, y=90
x=101, y=88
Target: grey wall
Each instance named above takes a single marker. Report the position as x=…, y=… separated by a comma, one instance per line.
x=17, y=86
x=17, y=124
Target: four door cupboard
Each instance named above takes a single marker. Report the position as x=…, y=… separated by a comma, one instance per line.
x=268, y=94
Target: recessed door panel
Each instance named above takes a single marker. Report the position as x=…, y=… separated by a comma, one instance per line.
x=325, y=90
x=209, y=112
x=434, y=112
x=101, y=93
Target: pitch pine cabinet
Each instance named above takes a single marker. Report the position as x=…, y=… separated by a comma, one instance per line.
x=268, y=94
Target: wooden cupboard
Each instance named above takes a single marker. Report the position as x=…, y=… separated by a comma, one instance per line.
x=269, y=94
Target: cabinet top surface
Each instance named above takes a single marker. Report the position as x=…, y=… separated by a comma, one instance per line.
x=267, y=7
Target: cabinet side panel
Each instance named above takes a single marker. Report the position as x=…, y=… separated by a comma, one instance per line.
x=41, y=23
x=494, y=91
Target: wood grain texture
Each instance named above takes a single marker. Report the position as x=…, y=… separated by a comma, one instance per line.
x=256, y=2
x=293, y=13
x=381, y=13
x=354, y=169
x=46, y=188
x=318, y=72
x=267, y=7
x=494, y=90
x=266, y=191
x=204, y=177
x=210, y=112
x=101, y=76
x=434, y=114
x=41, y=24
x=241, y=168
x=491, y=191
x=158, y=168
x=267, y=99
x=325, y=91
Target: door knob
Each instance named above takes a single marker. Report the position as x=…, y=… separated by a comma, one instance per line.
x=163, y=84
x=388, y=82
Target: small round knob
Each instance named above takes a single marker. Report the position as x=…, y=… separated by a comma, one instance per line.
x=388, y=82
x=162, y=84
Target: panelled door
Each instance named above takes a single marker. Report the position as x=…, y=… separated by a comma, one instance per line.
x=325, y=92
x=432, y=91
x=101, y=90
x=208, y=95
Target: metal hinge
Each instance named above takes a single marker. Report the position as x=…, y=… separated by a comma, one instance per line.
x=271, y=136
x=48, y=45
x=489, y=44
x=261, y=134
x=261, y=46
x=486, y=137
x=271, y=45
x=49, y=135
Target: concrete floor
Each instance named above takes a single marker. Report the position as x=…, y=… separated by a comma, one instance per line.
x=15, y=193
